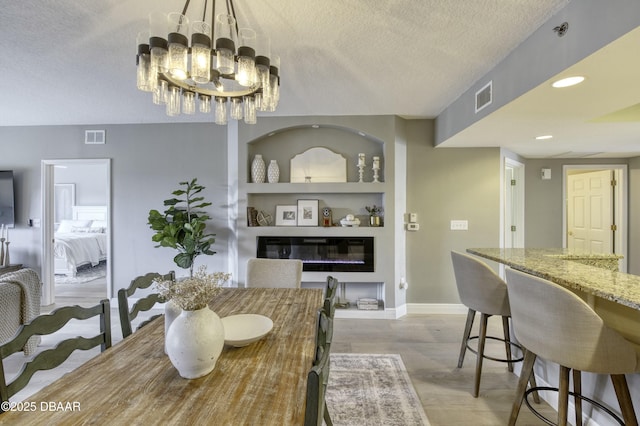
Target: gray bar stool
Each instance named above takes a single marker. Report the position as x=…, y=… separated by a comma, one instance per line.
x=482, y=290
x=555, y=324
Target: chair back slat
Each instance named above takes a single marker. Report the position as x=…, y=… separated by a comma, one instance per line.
x=143, y=304
x=51, y=358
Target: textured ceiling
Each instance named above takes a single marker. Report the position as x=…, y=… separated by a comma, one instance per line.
x=73, y=62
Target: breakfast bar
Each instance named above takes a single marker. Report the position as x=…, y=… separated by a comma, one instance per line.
x=614, y=295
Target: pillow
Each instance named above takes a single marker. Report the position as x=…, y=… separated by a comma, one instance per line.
x=67, y=226
x=102, y=224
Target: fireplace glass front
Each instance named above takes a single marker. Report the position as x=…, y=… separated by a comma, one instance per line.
x=324, y=254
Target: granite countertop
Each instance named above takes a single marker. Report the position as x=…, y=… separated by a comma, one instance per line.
x=594, y=274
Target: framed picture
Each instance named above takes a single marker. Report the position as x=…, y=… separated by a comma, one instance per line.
x=64, y=198
x=286, y=215
x=307, y=212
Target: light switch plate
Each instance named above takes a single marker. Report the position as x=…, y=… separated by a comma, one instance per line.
x=413, y=217
x=459, y=225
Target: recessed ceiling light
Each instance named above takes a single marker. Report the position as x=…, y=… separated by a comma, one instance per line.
x=543, y=137
x=315, y=126
x=569, y=81
x=362, y=134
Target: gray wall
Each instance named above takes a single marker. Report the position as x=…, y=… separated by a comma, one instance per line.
x=148, y=161
x=445, y=184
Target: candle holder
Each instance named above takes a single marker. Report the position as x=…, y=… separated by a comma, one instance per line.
x=6, y=261
x=376, y=169
x=361, y=166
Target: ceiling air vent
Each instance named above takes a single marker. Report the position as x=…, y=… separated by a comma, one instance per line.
x=484, y=96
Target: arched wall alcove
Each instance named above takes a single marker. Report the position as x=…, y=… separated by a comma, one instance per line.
x=280, y=139
x=283, y=144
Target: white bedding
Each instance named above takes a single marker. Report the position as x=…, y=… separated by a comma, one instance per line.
x=75, y=249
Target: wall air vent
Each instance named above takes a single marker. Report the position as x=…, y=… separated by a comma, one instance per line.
x=94, y=137
x=484, y=96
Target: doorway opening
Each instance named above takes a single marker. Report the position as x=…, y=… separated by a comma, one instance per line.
x=76, y=249
x=595, y=209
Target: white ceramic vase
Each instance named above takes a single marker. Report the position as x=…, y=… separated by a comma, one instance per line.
x=171, y=312
x=273, y=172
x=258, y=169
x=194, y=342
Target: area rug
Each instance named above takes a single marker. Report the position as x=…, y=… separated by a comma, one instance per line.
x=84, y=275
x=372, y=389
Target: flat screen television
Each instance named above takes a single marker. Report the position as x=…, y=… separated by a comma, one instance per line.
x=7, y=199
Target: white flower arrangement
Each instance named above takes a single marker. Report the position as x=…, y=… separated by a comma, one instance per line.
x=193, y=293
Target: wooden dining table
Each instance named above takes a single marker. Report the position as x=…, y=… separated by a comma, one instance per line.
x=134, y=382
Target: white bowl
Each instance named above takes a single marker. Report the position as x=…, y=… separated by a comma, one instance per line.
x=244, y=329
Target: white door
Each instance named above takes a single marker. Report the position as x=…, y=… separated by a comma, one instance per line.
x=513, y=204
x=590, y=211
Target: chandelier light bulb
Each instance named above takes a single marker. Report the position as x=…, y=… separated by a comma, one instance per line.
x=200, y=52
x=158, y=26
x=249, y=110
x=178, y=45
x=236, y=108
x=161, y=93
x=221, y=111
x=173, y=102
x=189, y=102
x=144, y=80
x=225, y=43
x=246, y=75
x=204, y=104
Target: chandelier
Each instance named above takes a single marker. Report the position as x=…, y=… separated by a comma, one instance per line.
x=229, y=67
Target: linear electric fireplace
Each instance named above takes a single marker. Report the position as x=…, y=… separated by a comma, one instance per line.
x=324, y=254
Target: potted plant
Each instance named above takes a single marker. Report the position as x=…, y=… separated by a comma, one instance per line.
x=182, y=226
x=374, y=215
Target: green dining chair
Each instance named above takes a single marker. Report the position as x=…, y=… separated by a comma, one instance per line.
x=318, y=377
x=51, y=358
x=143, y=304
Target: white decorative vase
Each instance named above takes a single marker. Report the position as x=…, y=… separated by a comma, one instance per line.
x=273, y=172
x=171, y=312
x=194, y=342
x=258, y=169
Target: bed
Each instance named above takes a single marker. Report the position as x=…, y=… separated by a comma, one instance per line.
x=80, y=241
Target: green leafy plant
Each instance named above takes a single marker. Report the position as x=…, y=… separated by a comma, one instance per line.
x=183, y=225
x=373, y=210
